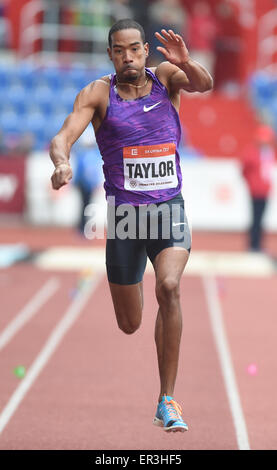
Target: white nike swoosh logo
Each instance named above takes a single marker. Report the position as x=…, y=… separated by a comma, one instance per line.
x=146, y=109
x=180, y=223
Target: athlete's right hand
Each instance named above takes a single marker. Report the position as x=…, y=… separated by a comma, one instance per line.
x=61, y=176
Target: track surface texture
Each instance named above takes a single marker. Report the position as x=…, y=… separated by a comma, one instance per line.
x=89, y=386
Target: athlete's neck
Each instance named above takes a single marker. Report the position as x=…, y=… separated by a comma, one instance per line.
x=131, y=91
x=140, y=83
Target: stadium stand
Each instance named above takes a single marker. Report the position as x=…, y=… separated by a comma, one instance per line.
x=37, y=100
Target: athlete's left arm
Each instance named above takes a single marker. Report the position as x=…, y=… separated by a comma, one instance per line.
x=181, y=72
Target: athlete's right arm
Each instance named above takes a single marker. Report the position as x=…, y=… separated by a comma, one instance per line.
x=85, y=105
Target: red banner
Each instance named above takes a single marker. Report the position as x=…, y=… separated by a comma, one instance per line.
x=12, y=184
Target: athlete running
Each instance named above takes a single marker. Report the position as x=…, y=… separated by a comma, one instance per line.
x=134, y=113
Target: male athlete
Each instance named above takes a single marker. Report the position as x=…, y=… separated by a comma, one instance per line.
x=134, y=113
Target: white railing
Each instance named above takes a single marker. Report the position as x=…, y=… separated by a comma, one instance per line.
x=30, y=32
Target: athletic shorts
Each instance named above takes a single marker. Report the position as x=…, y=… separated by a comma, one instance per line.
x=135, y=232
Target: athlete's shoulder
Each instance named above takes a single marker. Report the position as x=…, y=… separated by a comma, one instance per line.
x=152, y=69
x=164, y=72
x=94, y=92
x=106, y=80
x=160, y=74
x=101, y=85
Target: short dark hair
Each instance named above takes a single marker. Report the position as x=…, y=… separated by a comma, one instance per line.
x=126, y=24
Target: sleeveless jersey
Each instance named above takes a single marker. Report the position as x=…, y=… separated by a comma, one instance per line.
x=138, y=140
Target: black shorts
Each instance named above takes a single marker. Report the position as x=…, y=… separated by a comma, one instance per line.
x=144, y=231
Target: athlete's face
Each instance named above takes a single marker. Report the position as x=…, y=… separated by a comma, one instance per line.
x=128, y=54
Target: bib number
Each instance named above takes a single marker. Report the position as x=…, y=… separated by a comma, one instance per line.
x=150, y=167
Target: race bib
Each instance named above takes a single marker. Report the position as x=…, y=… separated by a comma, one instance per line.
x=150, y=167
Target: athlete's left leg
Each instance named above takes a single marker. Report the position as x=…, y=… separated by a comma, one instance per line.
x=169, y=265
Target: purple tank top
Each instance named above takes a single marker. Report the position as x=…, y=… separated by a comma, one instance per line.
x=138, y=140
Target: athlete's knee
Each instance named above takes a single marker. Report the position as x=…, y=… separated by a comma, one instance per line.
x=128, y=326
x=167, y=290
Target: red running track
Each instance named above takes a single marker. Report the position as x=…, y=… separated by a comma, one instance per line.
x=98, y=387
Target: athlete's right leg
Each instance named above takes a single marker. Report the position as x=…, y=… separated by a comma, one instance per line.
x=125, y=264
x=128, y=305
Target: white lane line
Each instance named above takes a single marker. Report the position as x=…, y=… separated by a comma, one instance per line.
x=32, y=307
x=70, y=316
x=225, y=359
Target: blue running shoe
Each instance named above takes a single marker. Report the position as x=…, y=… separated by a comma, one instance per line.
x=168, y=416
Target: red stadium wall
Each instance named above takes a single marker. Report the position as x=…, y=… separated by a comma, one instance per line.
x=236, y=51
x=217, y=126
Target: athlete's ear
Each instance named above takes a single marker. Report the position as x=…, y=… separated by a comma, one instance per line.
x=109, y=53
x=146, y=49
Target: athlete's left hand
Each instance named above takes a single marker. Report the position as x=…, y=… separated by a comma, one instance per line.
x=175, y=50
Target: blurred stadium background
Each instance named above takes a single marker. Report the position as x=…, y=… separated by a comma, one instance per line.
x=95, y=392
x=50, y=49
